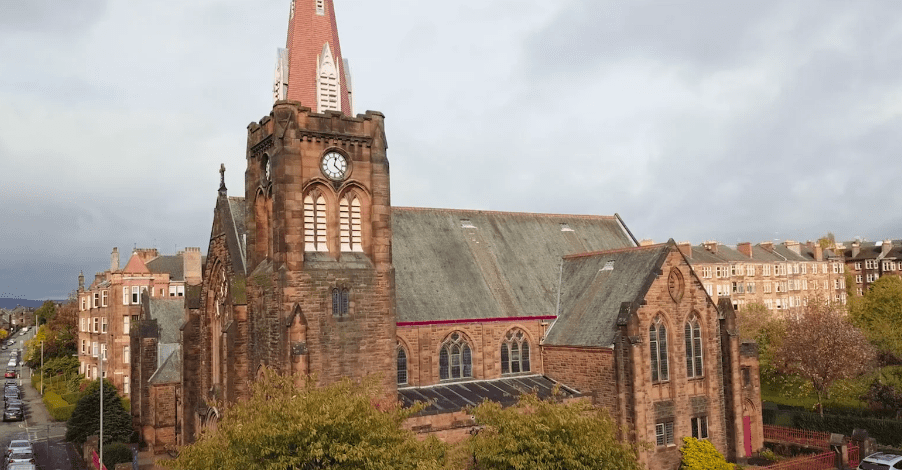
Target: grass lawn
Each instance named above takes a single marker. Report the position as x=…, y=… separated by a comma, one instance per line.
x=793, y=391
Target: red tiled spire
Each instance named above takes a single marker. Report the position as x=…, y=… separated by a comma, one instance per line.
x=311, y=27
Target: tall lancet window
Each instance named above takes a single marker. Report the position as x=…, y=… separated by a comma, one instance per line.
x=315, y=223
x=350, y=223
x=327, y=82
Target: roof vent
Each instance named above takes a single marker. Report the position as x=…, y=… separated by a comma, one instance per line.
x=565, y=227
x=608, y=266
x=465, y=223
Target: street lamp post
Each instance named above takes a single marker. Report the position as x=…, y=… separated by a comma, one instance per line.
x=101, y=411
x=42, y=368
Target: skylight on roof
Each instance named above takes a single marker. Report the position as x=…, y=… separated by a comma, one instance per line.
x=608, y=266
x=565, y=227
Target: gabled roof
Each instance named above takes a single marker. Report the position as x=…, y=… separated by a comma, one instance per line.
x=594, y=289
x=169, y=314
x=461, y=264
x=230, y=212
x=135, y=266
x=170, y=371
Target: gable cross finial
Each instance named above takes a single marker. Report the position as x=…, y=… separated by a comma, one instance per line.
x=222, y=186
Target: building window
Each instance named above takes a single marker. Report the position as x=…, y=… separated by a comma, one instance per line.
x=126, y=385
x=84, y=347
x=175, y=291
x=750, y=270
x=455, y=359
x=706, y=272
x=700, y=427
x=349, y=220
x=657, y=340
x=320, y=7
x=103, y=351
x=515, y=352
x=103, y=325
x=96, y=324
x=95, y=349
x=136, y=294
x=746, y=377
x=859, y=278
x=126, y=324
x=858, y=266
x=341, y=302
x=402, y=366
x=664, y=434
x=694, y=361
x=83, y=303
x=126, y=354
x=315, y=223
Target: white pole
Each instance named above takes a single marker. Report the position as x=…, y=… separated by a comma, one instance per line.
x=42, y=368
x=101, y=411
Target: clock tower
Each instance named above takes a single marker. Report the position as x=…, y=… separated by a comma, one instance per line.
x=320, y=286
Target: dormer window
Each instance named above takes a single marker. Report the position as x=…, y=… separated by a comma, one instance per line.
x=327, y=82
x=320, y=7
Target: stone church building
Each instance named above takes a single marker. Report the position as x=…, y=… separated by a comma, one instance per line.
x=314, y=271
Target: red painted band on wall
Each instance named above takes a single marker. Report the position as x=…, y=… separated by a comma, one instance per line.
x=474, y=320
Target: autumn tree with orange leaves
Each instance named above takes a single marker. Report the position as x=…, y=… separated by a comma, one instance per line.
x=822, y=346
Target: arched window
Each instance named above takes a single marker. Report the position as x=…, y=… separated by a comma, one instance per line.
x=402, y=365
x=315, y=223
x=455, y=360
x=657, y=340
x=349, y=220
x=693, y=336
x=515, y=352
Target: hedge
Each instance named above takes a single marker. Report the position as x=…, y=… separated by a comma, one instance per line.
x=71, y=398
x=58, y=408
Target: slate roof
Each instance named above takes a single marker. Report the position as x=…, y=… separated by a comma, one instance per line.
x=592, y=295
x=507, y=265
x=169, y=314
x=170, y=371
x=174, y=265
x=235, y=230
x=448, y=398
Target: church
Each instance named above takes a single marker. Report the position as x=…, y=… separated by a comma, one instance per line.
x=312, y=271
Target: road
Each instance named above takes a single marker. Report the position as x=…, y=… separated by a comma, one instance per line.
x=47, y=436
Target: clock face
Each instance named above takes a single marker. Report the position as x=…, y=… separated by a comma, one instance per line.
x=334, y=166
x=675, y=285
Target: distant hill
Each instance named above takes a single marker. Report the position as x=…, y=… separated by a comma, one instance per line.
x=10, y=303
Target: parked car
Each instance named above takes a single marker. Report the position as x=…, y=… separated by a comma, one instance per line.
x=10, y=392
x=21, y=466
x=19, y=457
x=14, y=413
x=10, y=374
x=881, y=461
x=19, y=445
x=14, y=402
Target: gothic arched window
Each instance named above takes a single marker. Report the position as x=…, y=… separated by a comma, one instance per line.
x=455, y=360
x=694, y=361
x=315, y=223
x=349, y=221
x=657, y=340
x=341, y=302
x=515, y=352
x=402, y=365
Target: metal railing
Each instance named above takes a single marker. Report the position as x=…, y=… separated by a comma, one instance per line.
x=825, y=461
x=817, y=439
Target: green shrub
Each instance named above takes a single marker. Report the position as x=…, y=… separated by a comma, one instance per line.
x=886, y=431
x=116, y=453
x=71, y=398
x=701, y=455
x=58, y=408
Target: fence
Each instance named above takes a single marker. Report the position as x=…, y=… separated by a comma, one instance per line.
x=817, y=439
x=854, y=455
x=825, y=461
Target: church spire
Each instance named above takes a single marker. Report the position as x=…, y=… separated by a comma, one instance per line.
x=316, y=74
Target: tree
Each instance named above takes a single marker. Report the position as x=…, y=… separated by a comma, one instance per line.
x=282, y=426
x=45, y=312
x=879, y=313
x=822, y=346
x=827, y=241
x=702, y=455
x=85, y=420
x=758, y=324
x=541, y=434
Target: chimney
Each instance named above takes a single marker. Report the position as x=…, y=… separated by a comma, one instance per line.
x=884, y=249
x=147, y=254
x=81, y=281
x=685, y=249
x=114, y=260
x=646, y=242
x=191, y=261
x=769, y=246
x=710, y=246
x=856, y=248
x=793, y=246
x=98, y=278
x=745, y=248
x=818, y=252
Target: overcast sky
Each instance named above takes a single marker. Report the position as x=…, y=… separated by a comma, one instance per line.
x=732, y=121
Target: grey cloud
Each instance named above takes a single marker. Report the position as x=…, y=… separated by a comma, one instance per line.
x=49, y=16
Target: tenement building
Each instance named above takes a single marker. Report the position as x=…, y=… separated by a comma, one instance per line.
x=782, y=277
x=868, y=261
x=112, y=303
x=313, y=272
